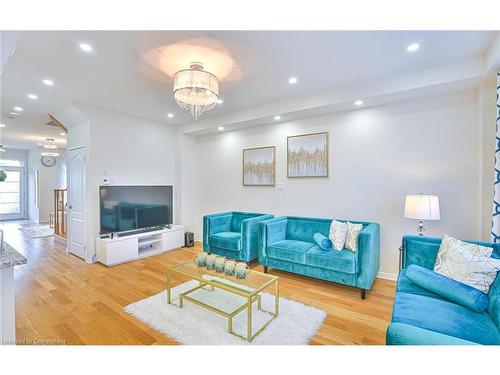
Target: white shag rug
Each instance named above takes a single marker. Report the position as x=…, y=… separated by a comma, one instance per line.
x=296, y=323
x=37, y=230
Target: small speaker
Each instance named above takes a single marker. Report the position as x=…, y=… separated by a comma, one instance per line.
x=189, y=239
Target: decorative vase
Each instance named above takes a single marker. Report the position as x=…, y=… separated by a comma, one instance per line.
x=229, y=267
x=219, y=264
x=241, y=270
x=211, y=261
x=201, y=259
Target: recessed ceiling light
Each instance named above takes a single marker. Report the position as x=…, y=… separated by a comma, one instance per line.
x=49, y=154
x=220, y=101
x=220, y=128
x=18, y=109
x=85, y=47
x=277, y=117
x=63, y=134
x=413, y=47
x=32, y=96
x=50, y=146
x=170, y=115
x=48, y=82
x=2, y=125
x=358, y=102
x=293, y=80
x=13, y=113
x=39, y=143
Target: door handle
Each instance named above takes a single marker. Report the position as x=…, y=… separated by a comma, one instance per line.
x=70, y=206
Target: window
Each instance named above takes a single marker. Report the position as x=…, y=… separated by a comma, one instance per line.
x=11, y=163
x=10, y=193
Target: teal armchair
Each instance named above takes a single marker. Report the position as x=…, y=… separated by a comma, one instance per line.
x=287, y=243
x=421, y=317
x=233, y=234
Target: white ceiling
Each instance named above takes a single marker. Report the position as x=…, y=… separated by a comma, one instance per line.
x=117, y=76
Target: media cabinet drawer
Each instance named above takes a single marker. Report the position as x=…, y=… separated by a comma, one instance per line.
x=173, y=239
x=119, y=251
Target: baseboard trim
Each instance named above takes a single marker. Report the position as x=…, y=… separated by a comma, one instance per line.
x=387, y=276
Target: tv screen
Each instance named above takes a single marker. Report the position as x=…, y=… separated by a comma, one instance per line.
x=124, y=208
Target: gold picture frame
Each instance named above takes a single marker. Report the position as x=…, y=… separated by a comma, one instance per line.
x=261, y=171
x=295, y=151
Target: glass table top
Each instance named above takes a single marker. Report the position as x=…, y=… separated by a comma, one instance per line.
x=254, y=282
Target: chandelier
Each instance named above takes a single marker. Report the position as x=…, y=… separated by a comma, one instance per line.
x=196, y=90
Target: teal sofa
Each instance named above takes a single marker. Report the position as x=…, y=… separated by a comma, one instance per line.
x=233, y=234
x=421, y=317
x=286, y=243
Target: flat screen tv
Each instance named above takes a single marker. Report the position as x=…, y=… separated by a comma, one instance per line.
x=124, y=208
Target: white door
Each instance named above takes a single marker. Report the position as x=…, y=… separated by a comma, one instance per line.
x=76, y=202
x=12, y=194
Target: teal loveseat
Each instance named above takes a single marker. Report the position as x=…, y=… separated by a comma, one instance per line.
x=233, y=234
x=286, y=243
x=421, y=317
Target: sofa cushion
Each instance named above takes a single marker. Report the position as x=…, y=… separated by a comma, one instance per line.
x=303, y=229
x=341, y=261
x=445, y=317
x=226, y=240
x=322, y=241
x=290, y=250
x=449, y=289
x=238, y=217
x=405, y=285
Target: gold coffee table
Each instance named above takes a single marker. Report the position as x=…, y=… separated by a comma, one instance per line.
x=249, y=288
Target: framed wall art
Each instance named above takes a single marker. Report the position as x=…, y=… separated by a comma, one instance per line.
x=307, y=155
x=259, y=166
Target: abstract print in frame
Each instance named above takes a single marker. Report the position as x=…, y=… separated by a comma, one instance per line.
x=259, y=166
x=307, y=155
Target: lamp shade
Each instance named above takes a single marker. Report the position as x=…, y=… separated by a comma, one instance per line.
x=422, y=207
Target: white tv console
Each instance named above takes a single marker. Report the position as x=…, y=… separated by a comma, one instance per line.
x=116, y=250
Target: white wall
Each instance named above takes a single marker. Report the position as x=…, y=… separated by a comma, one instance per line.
x=377, y=156
x=128, y=150
x=188, y=182
x=33, y=166
x=48, y=181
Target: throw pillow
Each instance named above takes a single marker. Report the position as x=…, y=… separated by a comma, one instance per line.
x=467, y=263
x=338, y=234
x=449, y=242
x=322, y=241
x=452, y=290
x=351, y=241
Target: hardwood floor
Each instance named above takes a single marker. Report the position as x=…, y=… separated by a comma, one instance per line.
x=62, y=299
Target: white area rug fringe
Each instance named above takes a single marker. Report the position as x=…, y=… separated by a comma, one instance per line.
x=296, y=323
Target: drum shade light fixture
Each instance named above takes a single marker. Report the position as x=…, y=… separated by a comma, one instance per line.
x=196, y=90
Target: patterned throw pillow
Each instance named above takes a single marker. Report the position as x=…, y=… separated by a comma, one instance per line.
x=351, y=241
x=338, y=234
x=467, y=263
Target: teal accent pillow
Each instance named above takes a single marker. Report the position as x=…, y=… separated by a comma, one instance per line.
x=323, y=241
x=445, y=287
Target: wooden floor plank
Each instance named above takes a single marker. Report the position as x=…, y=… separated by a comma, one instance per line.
x=60, y=297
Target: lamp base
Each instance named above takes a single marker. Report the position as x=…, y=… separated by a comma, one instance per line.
x=420, y=228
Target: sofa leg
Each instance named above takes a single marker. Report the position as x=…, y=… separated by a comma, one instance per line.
x=363, y=293
x=265, y=269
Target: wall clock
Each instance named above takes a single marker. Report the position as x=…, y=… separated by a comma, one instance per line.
x=48, y=161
